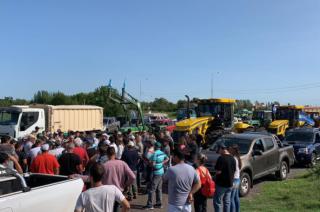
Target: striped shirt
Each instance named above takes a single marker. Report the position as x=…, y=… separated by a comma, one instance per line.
x=157, y=158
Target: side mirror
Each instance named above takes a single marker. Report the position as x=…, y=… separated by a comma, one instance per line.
x=257, y=153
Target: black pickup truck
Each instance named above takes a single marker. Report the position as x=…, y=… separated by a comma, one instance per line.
x=261, y=154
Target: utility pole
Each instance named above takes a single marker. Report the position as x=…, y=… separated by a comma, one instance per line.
x=140, y=91
x=211, y=85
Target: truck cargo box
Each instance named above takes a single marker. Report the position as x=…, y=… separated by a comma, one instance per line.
x=73, y=117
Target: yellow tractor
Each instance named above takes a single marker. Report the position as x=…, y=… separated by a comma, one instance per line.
x=214, y=118
x=289, y=116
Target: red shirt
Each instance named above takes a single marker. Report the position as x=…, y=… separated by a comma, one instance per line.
x=82, y=153
x=203, y=172
x=44, y=163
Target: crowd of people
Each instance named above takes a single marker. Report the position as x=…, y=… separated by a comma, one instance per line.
x=114, y=166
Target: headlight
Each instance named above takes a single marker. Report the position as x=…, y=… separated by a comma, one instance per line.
x=303, y=150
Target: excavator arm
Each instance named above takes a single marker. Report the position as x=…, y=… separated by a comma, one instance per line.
x=126, y=99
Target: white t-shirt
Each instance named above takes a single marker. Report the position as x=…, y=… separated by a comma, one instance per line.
x=34, y=152
x=57, y=152
x=237, y=172
x=120, y=151
x=115, y=147
x=99, y=199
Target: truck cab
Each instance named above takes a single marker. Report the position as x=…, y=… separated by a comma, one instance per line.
x=19, y=121
x=306, y=144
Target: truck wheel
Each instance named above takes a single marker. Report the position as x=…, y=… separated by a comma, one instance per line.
x=282, y=174
x=245, y=184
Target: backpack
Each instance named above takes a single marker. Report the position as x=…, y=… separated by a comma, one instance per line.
x=208, y=186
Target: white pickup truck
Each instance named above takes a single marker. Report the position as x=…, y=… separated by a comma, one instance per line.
x=37, y=192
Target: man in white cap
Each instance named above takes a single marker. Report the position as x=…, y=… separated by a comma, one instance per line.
x=105, y=138
x=45, y=163
x=80, y=151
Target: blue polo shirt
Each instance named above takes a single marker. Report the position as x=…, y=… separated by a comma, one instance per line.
x=158, y=157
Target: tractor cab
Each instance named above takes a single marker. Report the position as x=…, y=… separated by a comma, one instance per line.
x=213, y=118
x=221, y=110
x=289, y=116
x=261, y=118
x=290, y=113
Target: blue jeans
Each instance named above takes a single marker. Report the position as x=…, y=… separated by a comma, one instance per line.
x=235, y=200
x=222, y=199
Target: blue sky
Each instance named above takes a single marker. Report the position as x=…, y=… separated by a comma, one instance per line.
x=255, y=49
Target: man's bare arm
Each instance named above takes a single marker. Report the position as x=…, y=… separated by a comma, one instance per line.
x=125, y=205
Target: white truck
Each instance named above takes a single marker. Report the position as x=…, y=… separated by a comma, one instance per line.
x=19, y=121
x=37, y=192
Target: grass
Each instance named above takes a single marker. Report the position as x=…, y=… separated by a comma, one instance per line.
x=299, y=194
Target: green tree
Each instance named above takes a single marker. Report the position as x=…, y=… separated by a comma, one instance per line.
x=60, y=98
x=42, y=97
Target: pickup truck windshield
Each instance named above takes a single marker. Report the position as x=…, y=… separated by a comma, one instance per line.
x=8, y=118
x=305, y=137
x=243, y=144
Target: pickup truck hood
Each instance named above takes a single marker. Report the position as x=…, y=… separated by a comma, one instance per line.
x=7, y=130
x=212, y=159
x=277, y=123
x=186, y=124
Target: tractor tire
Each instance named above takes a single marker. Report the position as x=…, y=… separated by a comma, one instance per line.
x=249, y=129
x=213, y=136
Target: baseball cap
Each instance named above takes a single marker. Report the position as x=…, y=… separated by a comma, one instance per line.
x=131, y=144
x=106, y=135
x=45, y=147
x=158, y=144
x=78, y=141
x=131, y=137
